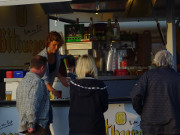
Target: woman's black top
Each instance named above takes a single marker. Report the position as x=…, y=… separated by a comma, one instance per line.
x=52, y=67
x=88, y=102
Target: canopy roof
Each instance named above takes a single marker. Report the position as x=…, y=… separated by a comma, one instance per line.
x=24, y=2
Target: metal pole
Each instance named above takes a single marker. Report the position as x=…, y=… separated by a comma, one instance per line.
x=171, y=30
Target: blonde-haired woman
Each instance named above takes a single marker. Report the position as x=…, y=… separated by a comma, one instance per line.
x=86, y=65
x=88, y=100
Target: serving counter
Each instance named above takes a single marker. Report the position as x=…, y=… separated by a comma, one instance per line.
x=120, y=117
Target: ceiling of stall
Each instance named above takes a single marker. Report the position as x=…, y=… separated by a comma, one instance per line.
x=125, y=10
x=101, y=10
x=24, y=2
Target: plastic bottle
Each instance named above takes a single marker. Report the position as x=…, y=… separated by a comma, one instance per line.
x=116, y=30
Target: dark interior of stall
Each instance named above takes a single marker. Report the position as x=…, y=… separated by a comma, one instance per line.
x=135, y=48
x=124, y=10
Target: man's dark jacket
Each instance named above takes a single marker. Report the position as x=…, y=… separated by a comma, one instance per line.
x=156, y=97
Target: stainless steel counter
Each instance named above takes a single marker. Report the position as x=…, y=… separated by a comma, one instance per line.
x=122, y=77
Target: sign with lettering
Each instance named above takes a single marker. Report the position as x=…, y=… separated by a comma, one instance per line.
x=10, y=41
x=120, y=119
x=22, y=33
x=9, y=121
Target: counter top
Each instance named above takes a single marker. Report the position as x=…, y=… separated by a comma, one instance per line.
x=122, y=77
x=12, y=79
x=104, y=78
x=117, y=86
x=59, y=102
x=65, y=102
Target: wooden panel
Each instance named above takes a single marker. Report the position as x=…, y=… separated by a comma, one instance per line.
x=144, y=48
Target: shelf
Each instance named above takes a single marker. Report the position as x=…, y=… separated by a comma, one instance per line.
x=79, y=45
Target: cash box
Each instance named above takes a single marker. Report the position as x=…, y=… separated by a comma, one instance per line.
x=19, y=74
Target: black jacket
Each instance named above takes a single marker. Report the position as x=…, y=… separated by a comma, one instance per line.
x=88, y=102
x=156, y=97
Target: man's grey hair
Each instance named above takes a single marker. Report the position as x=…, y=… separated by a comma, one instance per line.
x=163, y=58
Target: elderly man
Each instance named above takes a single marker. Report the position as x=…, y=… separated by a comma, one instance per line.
x=32, y=100
x=156, y=97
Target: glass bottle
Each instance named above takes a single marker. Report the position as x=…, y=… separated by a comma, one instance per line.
x=116, y=30
x=91, y=28
x=77, y=20
x=109, y=31
x=76, y=29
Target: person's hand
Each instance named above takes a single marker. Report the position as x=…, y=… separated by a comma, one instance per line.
x=68, y=79
x=55, y=93
x=31, y=130
x=64, y=81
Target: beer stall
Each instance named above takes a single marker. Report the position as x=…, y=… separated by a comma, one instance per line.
x=121, y=54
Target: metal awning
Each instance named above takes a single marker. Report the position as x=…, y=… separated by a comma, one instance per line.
x=25, y=2
x=125, y=10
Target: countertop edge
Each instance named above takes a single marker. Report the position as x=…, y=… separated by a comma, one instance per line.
x=63, y=103
x=104, y=78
